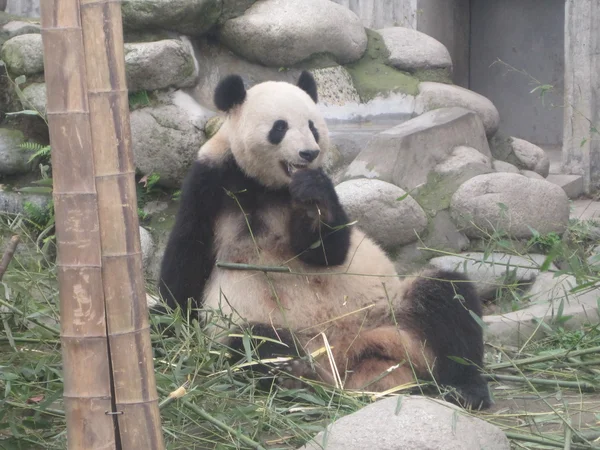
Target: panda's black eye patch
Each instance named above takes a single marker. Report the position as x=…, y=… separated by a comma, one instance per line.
x=313, y=130
x=277, y=132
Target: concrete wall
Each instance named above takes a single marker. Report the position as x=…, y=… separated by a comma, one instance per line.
x=26, y=8
x=383, y=13
x=528, y=35
x=448, y=21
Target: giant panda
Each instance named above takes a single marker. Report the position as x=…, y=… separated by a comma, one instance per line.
x=258, y=195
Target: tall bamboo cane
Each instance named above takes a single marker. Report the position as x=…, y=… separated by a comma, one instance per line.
x=110, y=392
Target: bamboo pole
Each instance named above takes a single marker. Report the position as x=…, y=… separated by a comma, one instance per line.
x=109, y=387
x=135, y=394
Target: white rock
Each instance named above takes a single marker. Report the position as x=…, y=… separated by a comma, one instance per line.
x=286, y=32
x=24, y=54
x=503, y=166
x=531, y=156
x=375, y=205
x=510, y=203
x=406, y=154
x=462, y=159
x=412, y=50
x=410, y=422
x=438, y=95
x=158, y=65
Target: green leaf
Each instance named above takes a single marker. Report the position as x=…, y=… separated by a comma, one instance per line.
x=25, y=112
x=43, y=182
x=20, y=80
x=460, y=360
x=315, y=245
x=478, y=319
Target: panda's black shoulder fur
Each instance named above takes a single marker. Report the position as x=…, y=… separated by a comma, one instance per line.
x=208, y=188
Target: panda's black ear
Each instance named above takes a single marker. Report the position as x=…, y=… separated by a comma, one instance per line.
x=307, y=83
x=229, y=92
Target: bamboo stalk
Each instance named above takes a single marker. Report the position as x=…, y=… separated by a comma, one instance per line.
x=87, y=379
x=8, y=254
x=538, y=359
x=583, y=385
x=240, y=266
x=135, y=394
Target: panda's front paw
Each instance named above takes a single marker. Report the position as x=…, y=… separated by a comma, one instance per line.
x=312, y=186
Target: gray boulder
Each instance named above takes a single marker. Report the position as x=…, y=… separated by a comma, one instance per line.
x=159, y=64
x=335, y=86
x=412, y=50
x=503, y=166
x=283, y=33
x=510, y=203
x=380, y=214
x=24, y=54
x=189, y=17
x=410, y=422
x=531, y=157
x=13, y=159
x=34, y=97
x=406, y=154
x=165, y=140
x=13, y=202
x=438, y=95
x=17, y=28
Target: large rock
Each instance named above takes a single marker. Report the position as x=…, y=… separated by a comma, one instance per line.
x=438, y=95
x=217, y=62
x=147, y=244
x=13, y=202
x=462, y=164
x=503, y=166
x=159, y=64
x=490, y=272
x=334, y=85
x=13, y=159
x=509, y=203
x=17, y=28
x=34, y=98
x=166, y=140
x=23, y=54
x=406, y=154
x=380, y=214
x=412, y=50
x=286, y=32
x=531, y=157
x=410, y=423
x=189, y=17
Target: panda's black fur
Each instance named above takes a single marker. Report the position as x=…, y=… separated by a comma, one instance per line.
x=425, y=324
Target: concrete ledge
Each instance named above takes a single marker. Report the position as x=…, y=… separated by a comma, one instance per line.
x=571, y=184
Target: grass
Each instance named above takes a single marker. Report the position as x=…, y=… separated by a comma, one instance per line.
x=547, y=393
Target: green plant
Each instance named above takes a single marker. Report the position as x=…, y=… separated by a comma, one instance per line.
x=40, y=151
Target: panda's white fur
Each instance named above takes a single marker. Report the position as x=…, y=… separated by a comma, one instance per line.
x=371, y=317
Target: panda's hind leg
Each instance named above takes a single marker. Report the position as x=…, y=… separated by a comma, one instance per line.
x=439, y=308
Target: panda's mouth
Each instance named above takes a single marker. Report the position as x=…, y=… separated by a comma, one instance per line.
x=290, y=168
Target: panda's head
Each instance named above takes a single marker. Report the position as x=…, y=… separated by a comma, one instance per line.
x=273, y=128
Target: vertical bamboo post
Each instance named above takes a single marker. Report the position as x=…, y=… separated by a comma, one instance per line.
x=135, y=394
x=87, y=378
x=110, y=393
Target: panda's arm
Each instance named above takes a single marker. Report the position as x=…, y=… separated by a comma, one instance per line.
x=319, y=234
x=188, y=259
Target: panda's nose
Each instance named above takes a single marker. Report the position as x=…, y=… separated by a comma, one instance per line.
x=309, y=155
